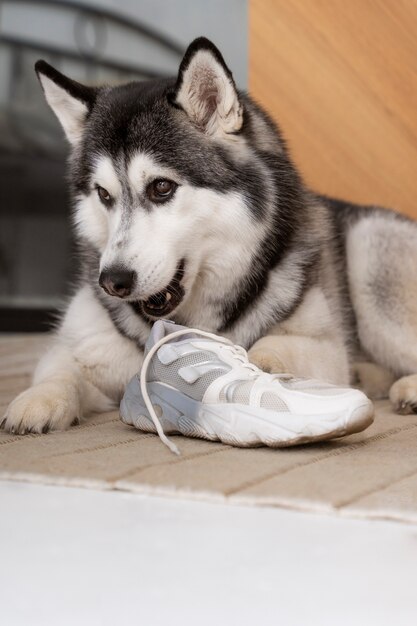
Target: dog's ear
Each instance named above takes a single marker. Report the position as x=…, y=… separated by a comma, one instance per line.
x=206, y=91
x=70, y=101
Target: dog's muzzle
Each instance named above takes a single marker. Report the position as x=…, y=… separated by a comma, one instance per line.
x=164, y=302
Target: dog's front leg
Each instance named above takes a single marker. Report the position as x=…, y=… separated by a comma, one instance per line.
x=86, y=370
x=324, y=357
x=309, y=344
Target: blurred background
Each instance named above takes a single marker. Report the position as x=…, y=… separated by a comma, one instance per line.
x=93, y=41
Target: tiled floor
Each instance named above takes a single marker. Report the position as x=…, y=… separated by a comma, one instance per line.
x=372, y=474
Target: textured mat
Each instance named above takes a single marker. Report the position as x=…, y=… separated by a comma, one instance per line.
x=372, y=474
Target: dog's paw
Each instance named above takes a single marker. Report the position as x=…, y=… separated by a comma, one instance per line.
x=47, y=406
x=375, y=381
x=403, y=395
x=267, y=360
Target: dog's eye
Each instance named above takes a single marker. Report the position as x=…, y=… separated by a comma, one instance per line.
x=104, y=195
x=161, y=190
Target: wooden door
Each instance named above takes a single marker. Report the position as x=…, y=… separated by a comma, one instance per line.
x=340, y=77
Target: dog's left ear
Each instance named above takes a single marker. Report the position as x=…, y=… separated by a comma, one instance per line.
x=206, y=91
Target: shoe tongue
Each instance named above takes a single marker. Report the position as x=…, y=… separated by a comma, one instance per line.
x=162, y=328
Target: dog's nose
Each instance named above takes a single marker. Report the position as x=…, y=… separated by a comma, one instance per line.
x=117, y=281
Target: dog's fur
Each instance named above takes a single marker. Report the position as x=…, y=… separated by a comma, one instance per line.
x=311, y=285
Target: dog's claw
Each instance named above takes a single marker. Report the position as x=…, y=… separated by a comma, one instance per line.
x=19, y=429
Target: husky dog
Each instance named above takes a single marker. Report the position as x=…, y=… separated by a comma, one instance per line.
x=187, y=206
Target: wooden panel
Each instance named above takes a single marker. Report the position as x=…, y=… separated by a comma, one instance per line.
x=341, y=80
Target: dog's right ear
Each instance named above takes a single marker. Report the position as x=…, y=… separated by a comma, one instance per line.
x=70, y=101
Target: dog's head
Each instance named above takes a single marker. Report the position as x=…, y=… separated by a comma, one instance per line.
x=161, y=174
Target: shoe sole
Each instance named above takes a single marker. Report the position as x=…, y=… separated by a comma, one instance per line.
x=236, y=424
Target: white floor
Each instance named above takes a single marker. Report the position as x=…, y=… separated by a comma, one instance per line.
x=82, y=557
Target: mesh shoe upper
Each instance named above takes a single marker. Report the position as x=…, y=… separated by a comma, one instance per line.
x=170, y=373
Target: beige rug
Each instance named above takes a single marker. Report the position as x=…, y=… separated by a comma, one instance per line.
x=373, y=474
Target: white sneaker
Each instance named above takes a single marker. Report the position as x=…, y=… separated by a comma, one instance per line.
x=197, y=384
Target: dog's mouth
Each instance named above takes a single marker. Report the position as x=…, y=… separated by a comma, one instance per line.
x=164, y=302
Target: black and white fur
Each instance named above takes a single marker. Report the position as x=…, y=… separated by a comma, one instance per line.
x=311, y=285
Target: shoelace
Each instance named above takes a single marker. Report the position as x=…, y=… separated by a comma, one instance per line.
x=238, y=353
